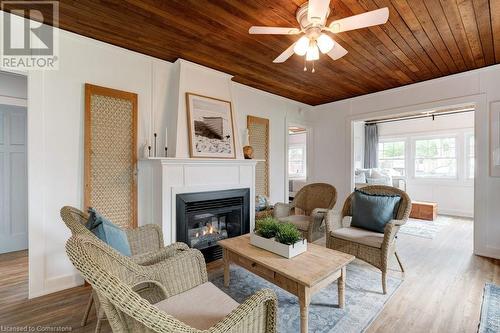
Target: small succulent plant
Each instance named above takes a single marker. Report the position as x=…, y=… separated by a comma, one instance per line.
x=288, y=234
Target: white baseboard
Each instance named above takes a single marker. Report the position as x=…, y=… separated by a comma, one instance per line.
x=58, y=283
x=455, y=212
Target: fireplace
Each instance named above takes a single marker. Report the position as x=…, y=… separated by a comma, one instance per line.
x=203, y=218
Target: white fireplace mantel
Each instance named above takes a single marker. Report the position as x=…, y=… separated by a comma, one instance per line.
x=168, y=177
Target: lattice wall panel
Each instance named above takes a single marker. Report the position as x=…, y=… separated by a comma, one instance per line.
x=111, y=179
x=258, y=131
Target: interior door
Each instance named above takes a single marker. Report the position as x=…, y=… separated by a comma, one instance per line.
x=13, y=179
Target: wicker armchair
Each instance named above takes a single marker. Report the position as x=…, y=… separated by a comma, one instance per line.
x=144, y=298
x=371, y=247
x=311, y=205
x=146, y=245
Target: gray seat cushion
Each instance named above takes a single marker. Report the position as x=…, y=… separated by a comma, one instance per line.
x=360, y=236
x=300, y=221
x=201, y=307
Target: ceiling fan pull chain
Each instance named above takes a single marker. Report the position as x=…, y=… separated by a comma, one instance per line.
x=313, y=70
x=305, y=65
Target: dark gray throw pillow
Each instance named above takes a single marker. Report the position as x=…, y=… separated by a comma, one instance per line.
x=373, y=211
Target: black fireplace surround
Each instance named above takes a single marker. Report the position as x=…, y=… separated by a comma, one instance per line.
x=203, y=218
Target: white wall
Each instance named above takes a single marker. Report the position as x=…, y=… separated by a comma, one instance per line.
x=461, y=203
x=333, y=137
x=55, y=139
x=279, y=111
x=55, y=143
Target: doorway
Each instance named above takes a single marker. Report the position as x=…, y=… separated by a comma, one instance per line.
x=429, y=154
x=297, y=159
x=13, y=164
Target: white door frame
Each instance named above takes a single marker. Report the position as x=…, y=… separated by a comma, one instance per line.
x=309, y=150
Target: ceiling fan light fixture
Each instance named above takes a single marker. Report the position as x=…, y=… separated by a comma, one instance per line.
x=301, y=46
x=312, y=17
x=325, y=43
x=312, y=52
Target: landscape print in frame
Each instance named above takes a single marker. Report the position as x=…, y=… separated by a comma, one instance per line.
x=210, y=127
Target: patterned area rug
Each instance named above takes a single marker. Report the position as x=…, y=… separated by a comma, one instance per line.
x=424, y=229
x=364, y=299
x=490, y=310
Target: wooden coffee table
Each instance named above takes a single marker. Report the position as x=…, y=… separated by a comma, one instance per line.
x=302, y=275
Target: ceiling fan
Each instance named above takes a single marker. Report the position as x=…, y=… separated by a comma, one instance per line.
x=312, y=17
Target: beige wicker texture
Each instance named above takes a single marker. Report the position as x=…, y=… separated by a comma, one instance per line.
x=112, y=166
x=264, y=214
x=377, y=257
x=258, y=132
x=146, y=245
x=313, y=201
x=128, y=290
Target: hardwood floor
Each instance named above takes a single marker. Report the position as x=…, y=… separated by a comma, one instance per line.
x=442, y=290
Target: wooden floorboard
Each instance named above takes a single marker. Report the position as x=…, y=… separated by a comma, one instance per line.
x=441, y=292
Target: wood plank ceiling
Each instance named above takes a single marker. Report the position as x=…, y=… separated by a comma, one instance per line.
x=421, y=41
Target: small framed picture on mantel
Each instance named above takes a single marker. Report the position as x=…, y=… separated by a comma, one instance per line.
x=210, y=127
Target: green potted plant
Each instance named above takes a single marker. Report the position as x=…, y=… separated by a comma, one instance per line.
x=283, y=239
x=266, y=227
x=288, y=234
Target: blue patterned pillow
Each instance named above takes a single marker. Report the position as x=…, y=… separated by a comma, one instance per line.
x=373, y=211
x=108, y=232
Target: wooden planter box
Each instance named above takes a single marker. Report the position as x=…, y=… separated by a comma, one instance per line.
x=269, y=244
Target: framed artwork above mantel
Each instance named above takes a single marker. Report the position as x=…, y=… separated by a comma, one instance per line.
x=210, y=127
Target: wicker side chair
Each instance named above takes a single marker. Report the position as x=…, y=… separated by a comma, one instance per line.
x=146, y=245
x=311, y=204
x=134, y=296
x=371, y=247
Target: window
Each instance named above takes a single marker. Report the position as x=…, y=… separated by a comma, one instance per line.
x=469, y=153
x=436, y=158
x=391, y=155
x=297, y=161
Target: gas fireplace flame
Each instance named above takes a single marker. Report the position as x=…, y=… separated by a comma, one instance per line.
x=206, y=230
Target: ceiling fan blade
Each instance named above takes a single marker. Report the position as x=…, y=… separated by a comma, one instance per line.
x=337, y=52
x=317, y=10
x=285, y=55
x=273, y=31
x=368, y=19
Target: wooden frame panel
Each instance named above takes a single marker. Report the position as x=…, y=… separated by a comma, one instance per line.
x=258, y=133
x=112, y=96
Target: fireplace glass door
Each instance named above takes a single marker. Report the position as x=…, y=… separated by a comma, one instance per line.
x=206, y=228
x=204, y=218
